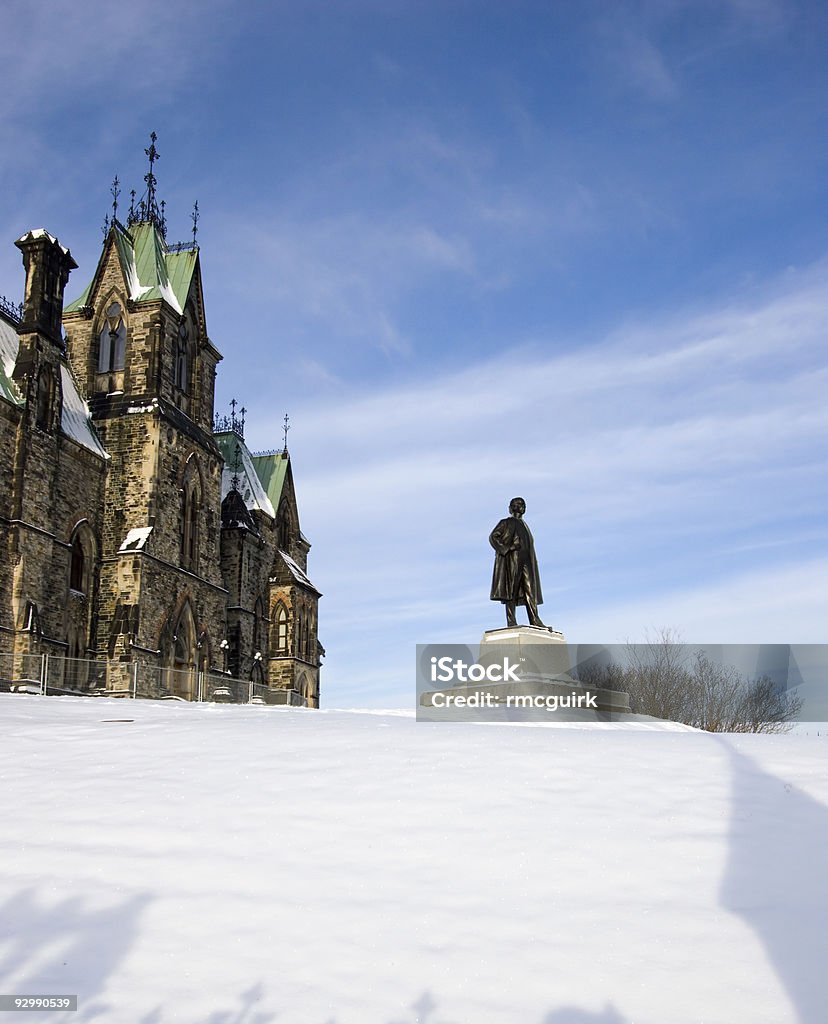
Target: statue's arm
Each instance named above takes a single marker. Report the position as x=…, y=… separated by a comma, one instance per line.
x=498, y=539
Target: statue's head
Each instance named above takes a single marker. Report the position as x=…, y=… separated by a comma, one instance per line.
x=517, y=507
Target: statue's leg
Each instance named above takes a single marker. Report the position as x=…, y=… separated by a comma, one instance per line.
x=510, y=613
x=531, y=606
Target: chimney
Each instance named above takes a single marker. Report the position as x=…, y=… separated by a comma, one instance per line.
x=47, y=265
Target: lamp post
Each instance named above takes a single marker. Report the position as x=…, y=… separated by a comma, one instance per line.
x=257, y=658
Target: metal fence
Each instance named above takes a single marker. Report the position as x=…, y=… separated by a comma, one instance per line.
x=52, y=675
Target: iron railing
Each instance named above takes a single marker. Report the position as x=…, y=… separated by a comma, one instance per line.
x=12, y=310
x=54, y=675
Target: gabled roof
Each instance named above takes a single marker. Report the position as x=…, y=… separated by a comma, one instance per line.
x=272, y=470
x=234, y=514
x=75, y=421
x=250, y=486
x=297, y=572
x=151, y=270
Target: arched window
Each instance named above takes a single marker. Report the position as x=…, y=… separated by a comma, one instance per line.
x=112, y=341
x=281, y=622
x=189, y=554
x=82, y=558
x=181, y=368
x=77, y=567
x=285, y=526
x=190, y=516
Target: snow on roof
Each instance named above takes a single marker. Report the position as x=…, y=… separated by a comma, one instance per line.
x=169, y=296
x=8, y=354
x=136, y=539
x=250, y=486
x=296, y=571
x=43, y=233
x=151, y=271
x=75, y=421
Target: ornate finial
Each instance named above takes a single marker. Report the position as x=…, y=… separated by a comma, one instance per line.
x=105, y=228
x=131, y=218
x=149, y=209
x=195, y=215
x=234, y=483
x=286, y=428
x=224, y=424
x=163, y=224
x=116, y=191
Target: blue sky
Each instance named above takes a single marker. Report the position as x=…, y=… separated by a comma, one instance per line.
x=572, y=251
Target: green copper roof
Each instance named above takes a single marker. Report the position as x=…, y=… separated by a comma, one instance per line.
x=80, y=301
x=151, y=271
x=272, y=471
x=259, y=485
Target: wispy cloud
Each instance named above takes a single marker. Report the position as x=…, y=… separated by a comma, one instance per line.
x=58, y=53
x=651, y=460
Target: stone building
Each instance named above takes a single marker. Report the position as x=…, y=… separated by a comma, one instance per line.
x=135, y=528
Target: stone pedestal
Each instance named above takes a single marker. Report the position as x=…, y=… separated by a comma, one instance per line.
x=538, y=685
x=542, y=654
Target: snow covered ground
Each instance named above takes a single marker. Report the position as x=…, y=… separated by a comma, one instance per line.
x=244, y=865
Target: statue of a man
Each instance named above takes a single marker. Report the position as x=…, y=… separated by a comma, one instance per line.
x=516, y=579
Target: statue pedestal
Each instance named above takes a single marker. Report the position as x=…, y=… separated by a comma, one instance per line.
x=542, y=654
x=528, y=679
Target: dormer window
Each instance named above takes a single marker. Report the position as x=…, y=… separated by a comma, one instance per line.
x=112, y=347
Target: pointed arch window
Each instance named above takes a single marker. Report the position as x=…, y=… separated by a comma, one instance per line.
x=190, y=517
x=181, y=369
x=82, y=558
x=281, y=629
x=77, y=567
x=112, y=341
x=285, y=526
x=190, y=528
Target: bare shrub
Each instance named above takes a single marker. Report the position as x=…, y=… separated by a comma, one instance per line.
x=665, y=681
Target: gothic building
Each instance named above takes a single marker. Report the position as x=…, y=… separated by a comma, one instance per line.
x=135, y=528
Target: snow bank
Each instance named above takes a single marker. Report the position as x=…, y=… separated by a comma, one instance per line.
x=212, y=863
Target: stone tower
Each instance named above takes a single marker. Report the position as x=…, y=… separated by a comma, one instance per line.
x=136, y=531
x=53, y=471
x=137, y=341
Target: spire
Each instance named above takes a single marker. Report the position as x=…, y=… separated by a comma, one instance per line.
x=148, y=209
x=115, y=189
x=234, y=483
x=153, y=155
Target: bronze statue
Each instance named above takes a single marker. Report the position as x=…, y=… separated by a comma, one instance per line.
x=516, y=579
